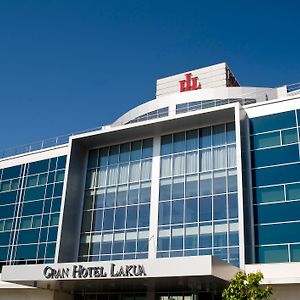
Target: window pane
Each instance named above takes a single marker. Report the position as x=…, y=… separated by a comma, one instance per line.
x=165, y=189
x=289, y=136
x=220, y=211
x=205, y=137
x=273, y=254
x=205, y=209
x=179, y=142
x=218, y=135
x=192, y=139
x=266, y=140
x=166, y=144
x=220, y=158
x=178, y=188
x=191, y=186
x=178, y=164
x=269, y=194
x=273, y=122
x=177, y=211
x=191, y=210
x=293, y=191
x=192, y=162
x=205, y=160
x=295, y=252
x=164, y=213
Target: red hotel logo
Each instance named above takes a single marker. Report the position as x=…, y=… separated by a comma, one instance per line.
x=189, y=83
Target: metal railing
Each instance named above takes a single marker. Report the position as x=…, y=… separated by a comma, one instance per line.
x=43, y=144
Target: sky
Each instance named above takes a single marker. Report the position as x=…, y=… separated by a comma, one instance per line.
x=69, y=65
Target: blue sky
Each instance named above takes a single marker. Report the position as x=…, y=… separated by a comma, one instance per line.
x=71, y=65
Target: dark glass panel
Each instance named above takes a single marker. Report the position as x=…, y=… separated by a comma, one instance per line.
x=164, y=213
x=97, y=221
x=12, y=172
x=177, y=211
x=8, y=198
x=179, y=142
x=220, y=211
x=166, y=144
x=108, y=219
x=272, y=254
x=230, y=133
x=124, y=152
x=136, y=150
x=61, y=162
x=276, y=175
x=273, y=122
x=38, y=167
x=205, y=209
x=278, y=233
x=278, y=155
x=144, y=215
x=278, y=212
x=103, y=157
x=147, y=148
x=28, y=236
x=191, y=210
x=233, y=205
x=131, y=216
x=120, y=218
x=205, y=137
x=34, y=193
x=192, y=140
x=93, y=159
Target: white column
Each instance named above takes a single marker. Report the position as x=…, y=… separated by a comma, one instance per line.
x=154, y=198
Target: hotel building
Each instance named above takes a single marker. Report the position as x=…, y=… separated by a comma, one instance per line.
x=167, y=202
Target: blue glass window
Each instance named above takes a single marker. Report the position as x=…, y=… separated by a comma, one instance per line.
x=276, y=175
x=205, y=209
x=191, y=210
x=272, y=254
x=279, y=155
x=266, y=140
x=269, y=194
x=164, y=213
x=192, y=140
x=279, y=212
x=177, y=211
x=273, y=122
x=295, y=252
x=38, y=167
x=220, y=211
x=12, y=172
x=278, y=233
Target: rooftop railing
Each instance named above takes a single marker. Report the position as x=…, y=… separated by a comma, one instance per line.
x=43, y=144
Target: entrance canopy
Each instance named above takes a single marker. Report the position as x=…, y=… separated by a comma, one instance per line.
x=181, y=273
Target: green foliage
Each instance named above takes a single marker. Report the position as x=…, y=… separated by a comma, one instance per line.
x=246, y=287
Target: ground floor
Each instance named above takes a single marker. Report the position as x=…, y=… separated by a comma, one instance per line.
x=191, y=278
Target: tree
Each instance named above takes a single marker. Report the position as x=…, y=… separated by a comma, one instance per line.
x=246, y=287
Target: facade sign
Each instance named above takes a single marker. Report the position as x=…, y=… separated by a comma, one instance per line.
x=189, y=83
x=79, y=271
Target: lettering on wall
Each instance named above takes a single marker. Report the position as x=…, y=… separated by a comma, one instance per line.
x=189, y=83
x=81, y=272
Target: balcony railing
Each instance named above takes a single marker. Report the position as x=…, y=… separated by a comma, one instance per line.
x=43, y=144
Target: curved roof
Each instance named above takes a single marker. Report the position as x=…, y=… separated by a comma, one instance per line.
x=168, y=103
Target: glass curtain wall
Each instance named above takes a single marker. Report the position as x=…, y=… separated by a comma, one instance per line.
x=116, y=213
x=30, y=200
x=276, y=186
x=198, y=206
